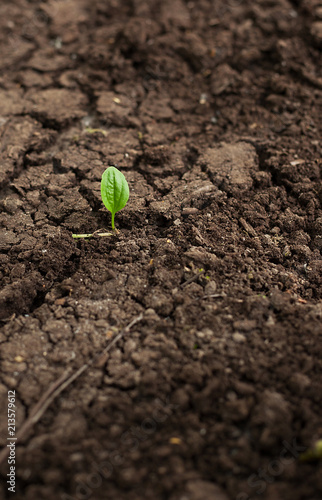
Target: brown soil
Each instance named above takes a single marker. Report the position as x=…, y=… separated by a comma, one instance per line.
x=212, y=110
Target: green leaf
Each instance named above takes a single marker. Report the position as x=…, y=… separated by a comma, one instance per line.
x=312, y=454
x=114, y=191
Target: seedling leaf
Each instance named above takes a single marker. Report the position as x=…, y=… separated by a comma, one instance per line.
x=312, y=454
x=114, y=191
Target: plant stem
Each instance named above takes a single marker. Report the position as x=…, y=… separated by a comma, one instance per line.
x=113, y=226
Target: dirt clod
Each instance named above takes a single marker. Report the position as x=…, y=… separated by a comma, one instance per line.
x=212, y=112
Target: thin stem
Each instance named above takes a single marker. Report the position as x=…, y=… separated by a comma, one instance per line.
x=113, y=226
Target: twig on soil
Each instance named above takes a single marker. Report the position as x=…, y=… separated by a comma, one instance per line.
x=65, y=380
x=37, y=411
x=90, y=235
x=214, y=296
x=193, y=278
x=97, y=359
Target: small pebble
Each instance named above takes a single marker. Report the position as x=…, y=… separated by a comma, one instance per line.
x=239, y=337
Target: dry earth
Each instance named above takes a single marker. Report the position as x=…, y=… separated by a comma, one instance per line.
x=212, y=110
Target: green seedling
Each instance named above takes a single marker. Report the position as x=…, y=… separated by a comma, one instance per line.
x=312, y=454
x=114, y=191
x=115, y=194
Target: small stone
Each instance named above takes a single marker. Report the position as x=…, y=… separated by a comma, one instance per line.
x=19, y=359
x=270, y=321
x=76, y=457
x=245, y=325
x=239, y=338
x=189, y=210
x=175, y=440
x=211, y=287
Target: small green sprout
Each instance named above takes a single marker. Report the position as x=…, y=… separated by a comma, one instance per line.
x=312, y=454
x=114, y=191
x=89, y=130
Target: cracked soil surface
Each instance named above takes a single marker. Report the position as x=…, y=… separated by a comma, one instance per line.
x=212, y=110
